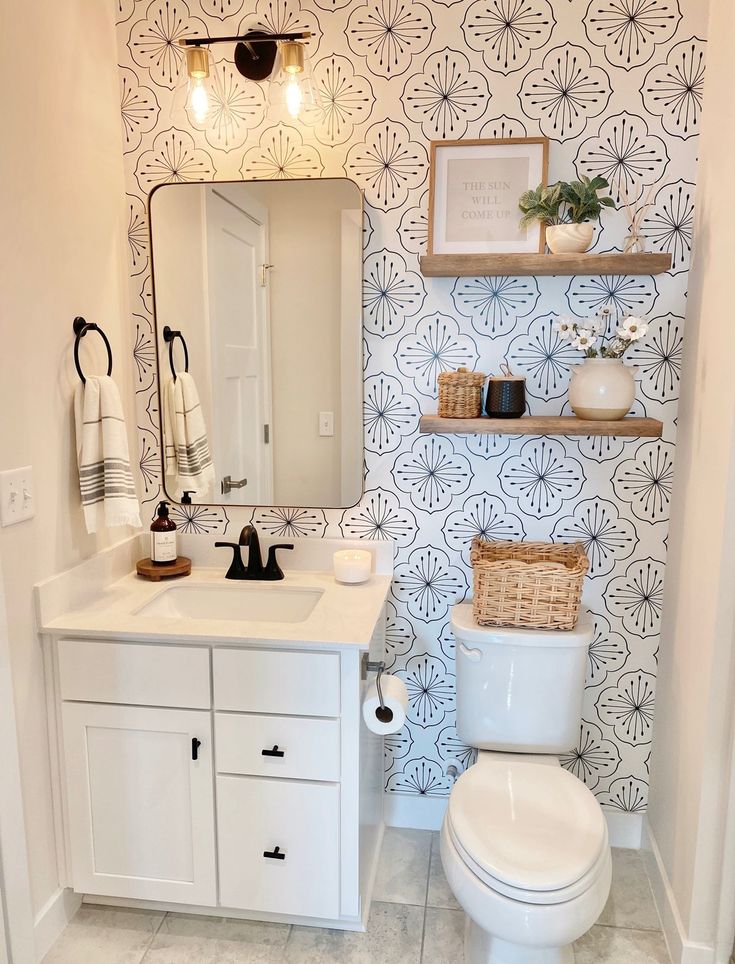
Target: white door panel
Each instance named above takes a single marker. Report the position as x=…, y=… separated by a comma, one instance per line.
x=238, y=316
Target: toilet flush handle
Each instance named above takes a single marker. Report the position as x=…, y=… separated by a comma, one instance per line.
x=473, y=654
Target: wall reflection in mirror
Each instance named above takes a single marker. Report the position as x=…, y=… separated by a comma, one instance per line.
x=257, y=285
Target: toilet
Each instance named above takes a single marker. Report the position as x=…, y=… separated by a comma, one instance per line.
x=524, y=843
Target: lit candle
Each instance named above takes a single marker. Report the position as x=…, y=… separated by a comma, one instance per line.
x=352, y=565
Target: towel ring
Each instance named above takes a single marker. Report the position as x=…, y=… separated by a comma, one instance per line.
x=81, y=327
x=170, y=336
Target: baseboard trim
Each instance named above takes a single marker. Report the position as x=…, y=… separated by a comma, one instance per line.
x=414, y=811
x=681, y=949
x=426, y=813
x=53, y=917
x=624, y=829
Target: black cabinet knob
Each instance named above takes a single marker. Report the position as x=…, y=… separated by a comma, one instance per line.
x=274, y=854
x=195, y=744
x=274, y=752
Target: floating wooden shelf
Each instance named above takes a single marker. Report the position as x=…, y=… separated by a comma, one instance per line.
x=513, y=265
x=540, y=425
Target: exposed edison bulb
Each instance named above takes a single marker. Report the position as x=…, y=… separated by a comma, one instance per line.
x=199, y=100
x=197, y=97
x=293, y=96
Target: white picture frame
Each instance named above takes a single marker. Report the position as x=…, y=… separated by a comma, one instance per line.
x=474, y=187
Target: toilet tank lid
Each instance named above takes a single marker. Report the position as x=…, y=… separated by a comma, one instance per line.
x=466, y=630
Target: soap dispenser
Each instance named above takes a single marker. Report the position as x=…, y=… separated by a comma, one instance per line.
x=163, y=537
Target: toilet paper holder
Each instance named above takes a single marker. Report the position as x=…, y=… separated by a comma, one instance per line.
x=376, y=666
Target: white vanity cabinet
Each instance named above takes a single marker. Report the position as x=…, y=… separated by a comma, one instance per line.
x=230, y=777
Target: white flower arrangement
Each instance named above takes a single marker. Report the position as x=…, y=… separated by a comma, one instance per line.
x=592, y=336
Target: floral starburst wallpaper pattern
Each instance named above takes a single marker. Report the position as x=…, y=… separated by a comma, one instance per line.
x=617, y=87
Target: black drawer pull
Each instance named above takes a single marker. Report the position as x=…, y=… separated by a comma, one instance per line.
x=274, y=854
x=195, y=744
x=274, y=752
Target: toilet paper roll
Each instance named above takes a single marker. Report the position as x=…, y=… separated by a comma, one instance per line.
x=395, y=700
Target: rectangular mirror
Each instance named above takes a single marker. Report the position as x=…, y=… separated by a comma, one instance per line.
x=257, y=298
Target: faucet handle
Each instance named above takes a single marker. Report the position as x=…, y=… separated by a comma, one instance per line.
x=237, y=570
x=272, y=569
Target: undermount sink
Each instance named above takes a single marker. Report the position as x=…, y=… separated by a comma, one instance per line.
x=241, y=603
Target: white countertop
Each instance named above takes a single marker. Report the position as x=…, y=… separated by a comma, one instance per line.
x=345, y=615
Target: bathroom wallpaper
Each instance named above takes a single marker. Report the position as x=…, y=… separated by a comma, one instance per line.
x=617, y=87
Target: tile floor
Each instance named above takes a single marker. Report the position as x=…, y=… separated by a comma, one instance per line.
x=414, y=920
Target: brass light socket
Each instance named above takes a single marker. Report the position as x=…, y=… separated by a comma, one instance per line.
x=292, y=56
x=197, y=62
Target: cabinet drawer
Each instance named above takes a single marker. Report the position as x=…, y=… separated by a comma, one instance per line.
x=256, y=815
x=310, y=747
x=269, y=681
x=98, y=672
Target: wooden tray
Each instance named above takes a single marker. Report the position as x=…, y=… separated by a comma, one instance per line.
x=157, y=571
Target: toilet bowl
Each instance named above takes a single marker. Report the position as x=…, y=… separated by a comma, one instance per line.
x=525, y=851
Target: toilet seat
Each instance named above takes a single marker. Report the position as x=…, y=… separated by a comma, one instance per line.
x=529, y=831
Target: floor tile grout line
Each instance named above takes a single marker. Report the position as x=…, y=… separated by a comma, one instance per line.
x=630, y=930
x=154, y=934
x=628, y=927
x=404, y=903
x=426, y=896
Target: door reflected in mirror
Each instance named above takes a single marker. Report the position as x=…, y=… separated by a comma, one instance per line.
x=257, y=284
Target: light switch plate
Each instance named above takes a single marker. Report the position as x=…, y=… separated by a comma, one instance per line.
x=326, y=423
x=17, y=502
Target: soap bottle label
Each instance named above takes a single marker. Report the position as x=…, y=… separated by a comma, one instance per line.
x=163, y=546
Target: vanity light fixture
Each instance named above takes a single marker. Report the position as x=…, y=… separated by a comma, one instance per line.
x=258, y=56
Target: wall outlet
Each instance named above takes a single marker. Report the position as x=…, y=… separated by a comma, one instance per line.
x=17, y=502
x=326, y=423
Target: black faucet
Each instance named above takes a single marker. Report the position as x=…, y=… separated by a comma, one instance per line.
x=255, y=568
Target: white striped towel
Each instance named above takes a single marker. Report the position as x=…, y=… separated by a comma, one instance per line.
x=105, y=479
x=186, y=447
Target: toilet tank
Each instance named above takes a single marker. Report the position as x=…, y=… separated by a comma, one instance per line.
x=519, y=690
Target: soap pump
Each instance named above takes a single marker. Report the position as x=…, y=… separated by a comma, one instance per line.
x=163, y=537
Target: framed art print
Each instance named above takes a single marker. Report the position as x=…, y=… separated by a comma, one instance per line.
x=474, y=189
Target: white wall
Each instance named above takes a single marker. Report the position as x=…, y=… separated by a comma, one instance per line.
x=692, y=750
x=61, y=254
x=305, y=312
x=17, y=941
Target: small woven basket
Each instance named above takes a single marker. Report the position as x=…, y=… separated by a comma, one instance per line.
x=533, y=585
x=460, y=394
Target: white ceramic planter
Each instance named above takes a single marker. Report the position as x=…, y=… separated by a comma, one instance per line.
x=602, y=389
x=569, y=238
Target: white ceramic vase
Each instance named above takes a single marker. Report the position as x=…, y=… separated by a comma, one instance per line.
x=569, y=238
x=602, y=389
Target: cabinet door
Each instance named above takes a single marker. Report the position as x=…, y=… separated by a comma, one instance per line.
x=141, y=809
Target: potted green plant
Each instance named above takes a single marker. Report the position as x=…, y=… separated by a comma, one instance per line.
x=568, y=209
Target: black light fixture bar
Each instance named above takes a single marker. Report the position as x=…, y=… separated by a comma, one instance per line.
x=255, y=52
x=249, y=38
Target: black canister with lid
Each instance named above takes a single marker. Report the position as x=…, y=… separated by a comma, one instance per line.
x=506, y=395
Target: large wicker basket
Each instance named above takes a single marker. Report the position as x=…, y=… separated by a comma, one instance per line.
x=535, y=585
x=460, y=394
